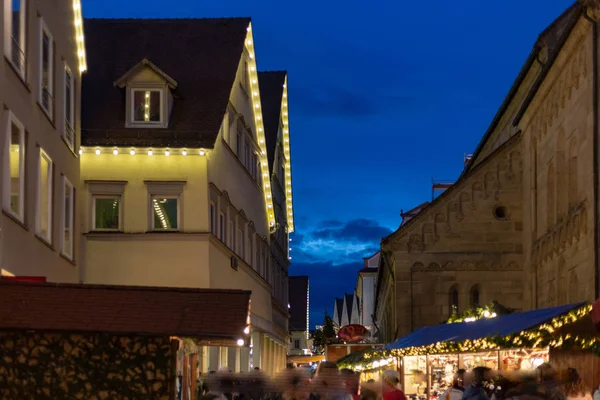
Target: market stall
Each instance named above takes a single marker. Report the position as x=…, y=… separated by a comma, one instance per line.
x=429, y=357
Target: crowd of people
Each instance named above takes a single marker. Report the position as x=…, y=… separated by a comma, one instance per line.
x=331, y=383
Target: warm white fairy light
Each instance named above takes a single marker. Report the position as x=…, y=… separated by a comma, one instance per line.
x=288, y=161
x=133, y=151
x=259, y=128
x=79, y=38
x=147, y=106
x=160, y=214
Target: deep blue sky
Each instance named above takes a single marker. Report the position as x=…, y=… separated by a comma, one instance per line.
x=384, y=96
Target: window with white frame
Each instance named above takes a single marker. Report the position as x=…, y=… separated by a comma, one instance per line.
x=15, y=35
x=14, y=179
x=222, y=227
x=230, y=126
x=46, y=94
x=213, y=218
x=146, y=106
x=107, y=205
x=44, y=197
x=66, y=246
x=69, y=107
x=107, y=212
x=165, y=205
x=239, y=141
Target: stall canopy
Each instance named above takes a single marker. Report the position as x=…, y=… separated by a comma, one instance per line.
x=503, y=325
x=212, y=315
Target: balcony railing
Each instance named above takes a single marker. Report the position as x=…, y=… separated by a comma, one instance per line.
x=18, y=56
x=69, y=133
x=47, y=100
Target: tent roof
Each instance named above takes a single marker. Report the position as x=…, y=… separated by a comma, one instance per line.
x=503, y=325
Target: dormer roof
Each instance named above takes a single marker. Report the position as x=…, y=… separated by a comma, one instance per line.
x=201, y=55
x=145, y=63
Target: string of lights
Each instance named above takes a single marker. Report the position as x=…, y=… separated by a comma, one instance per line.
x=79, y=38
x=543, y=336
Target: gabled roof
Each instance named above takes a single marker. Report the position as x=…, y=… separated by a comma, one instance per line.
x=406, y=216
x=202, y=55
x=199, y=313
x=553, y=37
x=339, y=307
x=271, y=94
x=349, y=303
x=145, y=63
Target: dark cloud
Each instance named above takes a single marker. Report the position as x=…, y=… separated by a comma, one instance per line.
x=330, y=223
x=340, y=102
x=362, y=230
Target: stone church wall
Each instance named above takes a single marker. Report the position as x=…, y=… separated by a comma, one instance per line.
x=468, y=240
x=558, y=181
x=88, y=366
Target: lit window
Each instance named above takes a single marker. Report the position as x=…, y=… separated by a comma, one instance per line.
x=44, y=198
x=15, y=46
x=107, y=213
x=14, y=200
x=213, y=219
x=46, y=95
x=69, y=129
x=67, y=228
x=165, y=213
x=146, y=106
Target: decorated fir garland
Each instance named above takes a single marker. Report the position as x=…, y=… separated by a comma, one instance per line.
x=539, y=337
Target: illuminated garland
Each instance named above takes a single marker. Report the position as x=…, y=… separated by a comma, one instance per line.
x=492, y=310
x=540, y=337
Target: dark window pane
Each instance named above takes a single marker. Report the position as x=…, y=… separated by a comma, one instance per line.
x=107, y=213
x=165, y=213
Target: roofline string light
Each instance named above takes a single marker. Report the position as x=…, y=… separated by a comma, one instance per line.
x=79, y=38
x=135, y=151
x=288, y=160
x=260, y=130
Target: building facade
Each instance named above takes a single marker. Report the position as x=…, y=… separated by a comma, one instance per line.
x=520, y=226
x=366, y=286
x=299, y=292
x=44, y=54
x=176, y=186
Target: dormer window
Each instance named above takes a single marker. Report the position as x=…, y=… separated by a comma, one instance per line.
x=149, y=93
x=146, y=106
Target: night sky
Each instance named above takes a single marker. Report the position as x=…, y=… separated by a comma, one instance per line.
x=383, y=98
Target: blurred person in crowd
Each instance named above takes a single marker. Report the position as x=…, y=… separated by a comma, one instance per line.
x=597, y=393
x=327, y=383
x=456, y=391
x=476, y=391
x=293, y=383
x=351, y=382
x=366, y=391
x=548, y=384
x=391, y=385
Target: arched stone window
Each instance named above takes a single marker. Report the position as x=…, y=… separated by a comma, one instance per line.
x=550, y=205
x=474, y=296
x=453, y=300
